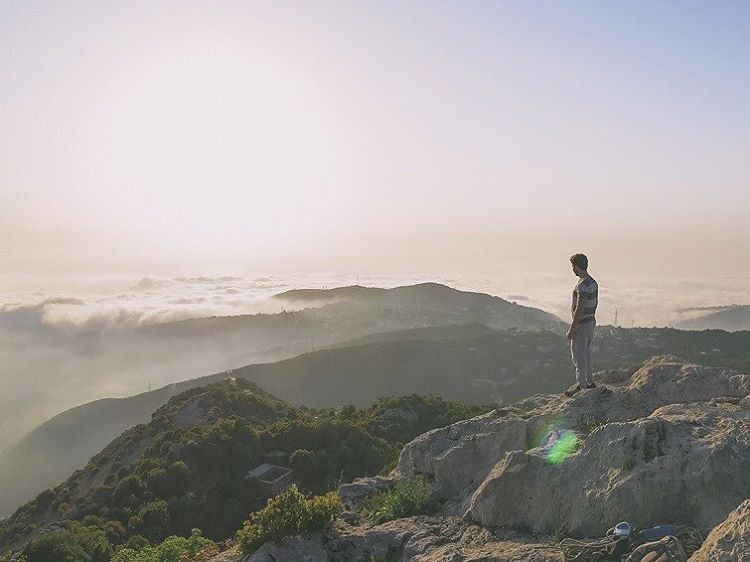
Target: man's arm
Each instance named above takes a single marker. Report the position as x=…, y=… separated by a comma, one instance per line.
x=576, y=316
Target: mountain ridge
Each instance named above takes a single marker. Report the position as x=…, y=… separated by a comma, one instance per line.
x=506, y=365
x=731, y=318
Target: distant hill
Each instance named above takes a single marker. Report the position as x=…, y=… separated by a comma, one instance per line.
x=354, y=292
x=731, y=318
x=432, y=298
x=187, y=467
x=469, y=363
x=360, y=310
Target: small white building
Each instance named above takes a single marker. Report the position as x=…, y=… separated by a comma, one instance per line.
x=272, y=478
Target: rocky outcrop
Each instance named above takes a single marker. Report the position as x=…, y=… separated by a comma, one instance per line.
x=413, y=539
x=300, y=549
x=669, y=443
x=685, y=464
x=730, y=540
x=361, y=488
x=666, y=443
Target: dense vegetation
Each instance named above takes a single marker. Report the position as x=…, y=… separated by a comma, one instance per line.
x=196, y=548
x=289, y=513
x=187, y=468
x=76, y=542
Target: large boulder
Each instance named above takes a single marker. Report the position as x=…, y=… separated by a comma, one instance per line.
x=684, y=464
x=730, y=540
x=299, y=549
x=459, y=457
x=668, y=443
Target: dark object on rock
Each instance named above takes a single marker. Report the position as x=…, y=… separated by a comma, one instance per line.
x=668, y=549
x=657, y=533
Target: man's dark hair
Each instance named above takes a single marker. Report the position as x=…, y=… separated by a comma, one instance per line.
x=580, y=261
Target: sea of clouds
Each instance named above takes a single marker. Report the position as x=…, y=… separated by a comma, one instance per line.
x=66, y=340
x=111, y=303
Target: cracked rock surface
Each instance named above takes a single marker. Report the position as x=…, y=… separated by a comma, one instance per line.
x=669, y=443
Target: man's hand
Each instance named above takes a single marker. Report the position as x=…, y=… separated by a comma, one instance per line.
x=577, y=314
x=572, y=331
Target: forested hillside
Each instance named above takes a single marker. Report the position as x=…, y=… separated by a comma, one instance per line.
x=187, y=468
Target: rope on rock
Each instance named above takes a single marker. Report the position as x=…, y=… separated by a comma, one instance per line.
x=610, y=549
x=602, y=550
x=691, y=539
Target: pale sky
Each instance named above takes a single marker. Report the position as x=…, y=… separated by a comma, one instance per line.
x=140, y=136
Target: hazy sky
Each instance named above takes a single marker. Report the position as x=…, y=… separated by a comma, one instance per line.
x=143, y=136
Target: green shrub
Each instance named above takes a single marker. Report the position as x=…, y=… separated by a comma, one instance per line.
x=320, y=511
x=288, y=513
x=410, y=496
x=197, y=548
x=302, y=462
x=74, y=543
x=56, y=546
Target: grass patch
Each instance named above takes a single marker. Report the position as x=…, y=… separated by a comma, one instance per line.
x=628, y=464
x=408, y=497
x=554, y=538
x=592, y=422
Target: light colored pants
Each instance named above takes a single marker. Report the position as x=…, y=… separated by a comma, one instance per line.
x=580, y=350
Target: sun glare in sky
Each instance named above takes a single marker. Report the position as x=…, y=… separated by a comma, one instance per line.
x=147, y=134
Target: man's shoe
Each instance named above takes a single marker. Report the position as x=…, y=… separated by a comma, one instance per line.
x=591, y=385
x=571, y=391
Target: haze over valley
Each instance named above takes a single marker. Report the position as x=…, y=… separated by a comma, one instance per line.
x=86, y=337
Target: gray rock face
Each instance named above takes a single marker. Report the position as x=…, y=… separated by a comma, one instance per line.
x=361, y=488
x=438, y=539
x=670, y=443
x=413, y=539
x=460, y=456
x=730, y=540
x=299, y=549
x=685, y=464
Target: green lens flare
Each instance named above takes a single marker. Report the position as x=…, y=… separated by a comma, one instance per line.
x=554, y=442
x=562, y=448
x=543, y=434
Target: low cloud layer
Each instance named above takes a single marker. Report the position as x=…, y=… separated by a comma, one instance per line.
x=146, y=301
x=149, y=300
x=74, y=342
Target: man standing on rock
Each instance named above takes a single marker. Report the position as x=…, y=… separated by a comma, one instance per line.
x=581, y=332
